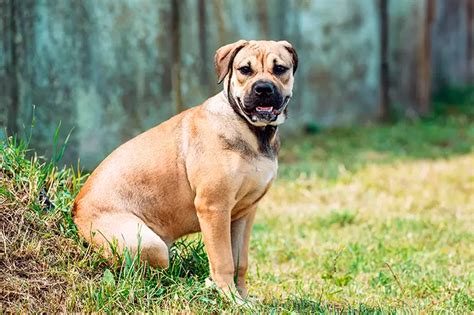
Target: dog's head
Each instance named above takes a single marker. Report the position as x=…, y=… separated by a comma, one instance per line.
x=258, y=78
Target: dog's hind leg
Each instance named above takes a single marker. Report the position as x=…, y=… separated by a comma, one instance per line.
x=125, y=230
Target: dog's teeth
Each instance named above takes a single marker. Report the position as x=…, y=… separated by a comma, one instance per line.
x=264, y=109
x=254, y=118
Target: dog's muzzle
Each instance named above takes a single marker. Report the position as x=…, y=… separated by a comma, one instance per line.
x=264, y=103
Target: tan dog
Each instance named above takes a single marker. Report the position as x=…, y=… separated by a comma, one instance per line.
x=202, y=170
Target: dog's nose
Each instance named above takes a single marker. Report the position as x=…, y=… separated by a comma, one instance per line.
x=263, y=88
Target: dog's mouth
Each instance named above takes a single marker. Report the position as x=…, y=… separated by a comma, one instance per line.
x=264, y=113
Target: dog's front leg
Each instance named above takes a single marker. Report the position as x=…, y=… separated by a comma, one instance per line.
x=241, y=230
x=214, y=221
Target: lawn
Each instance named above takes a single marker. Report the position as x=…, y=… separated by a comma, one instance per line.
x=367, y=219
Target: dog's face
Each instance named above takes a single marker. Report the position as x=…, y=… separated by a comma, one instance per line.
x=258, y=78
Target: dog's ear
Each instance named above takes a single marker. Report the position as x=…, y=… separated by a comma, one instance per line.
x=225, y=56
x=293, y=53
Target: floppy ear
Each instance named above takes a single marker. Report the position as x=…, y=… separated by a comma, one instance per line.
x=225, y=56
x=293, y=53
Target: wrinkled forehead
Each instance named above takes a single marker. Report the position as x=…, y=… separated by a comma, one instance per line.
x=262, y=51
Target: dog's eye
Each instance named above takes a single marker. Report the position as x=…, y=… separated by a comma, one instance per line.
x=245, y=70
x=278, y=69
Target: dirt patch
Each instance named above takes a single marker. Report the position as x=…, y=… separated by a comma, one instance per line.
x=38, y=264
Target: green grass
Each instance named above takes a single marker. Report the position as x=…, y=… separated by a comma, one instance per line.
x=336, y=151
x=370, y=219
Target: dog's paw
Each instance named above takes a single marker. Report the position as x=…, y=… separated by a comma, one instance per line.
x=209, y=283
x=230, y=293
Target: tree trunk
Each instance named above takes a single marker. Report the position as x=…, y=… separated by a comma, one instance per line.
x=469, y=39
x=203, y=44
x=384, y=99
x=176, y=54
x=424, y=61
x=262, y=14
x=10, y=20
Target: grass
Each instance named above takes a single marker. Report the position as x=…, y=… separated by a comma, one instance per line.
x=373, y=219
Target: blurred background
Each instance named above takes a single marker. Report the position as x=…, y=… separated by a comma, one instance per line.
x=109, y=69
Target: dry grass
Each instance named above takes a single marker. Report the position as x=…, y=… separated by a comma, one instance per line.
x=40, y=265
x=394, y=236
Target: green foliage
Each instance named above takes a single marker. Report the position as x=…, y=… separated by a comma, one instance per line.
x=334, y=152
x=449, y=100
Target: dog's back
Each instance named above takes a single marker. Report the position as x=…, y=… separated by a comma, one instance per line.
x=142, y=181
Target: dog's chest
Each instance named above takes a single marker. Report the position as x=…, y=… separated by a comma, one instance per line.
x=264, y=174
x=258, y=177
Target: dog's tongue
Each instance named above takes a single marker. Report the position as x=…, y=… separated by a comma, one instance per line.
x=266, y=109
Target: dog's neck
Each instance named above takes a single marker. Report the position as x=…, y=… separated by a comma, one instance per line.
x=268, y=137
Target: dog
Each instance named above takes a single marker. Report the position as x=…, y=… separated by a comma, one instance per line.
x=204, y=169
